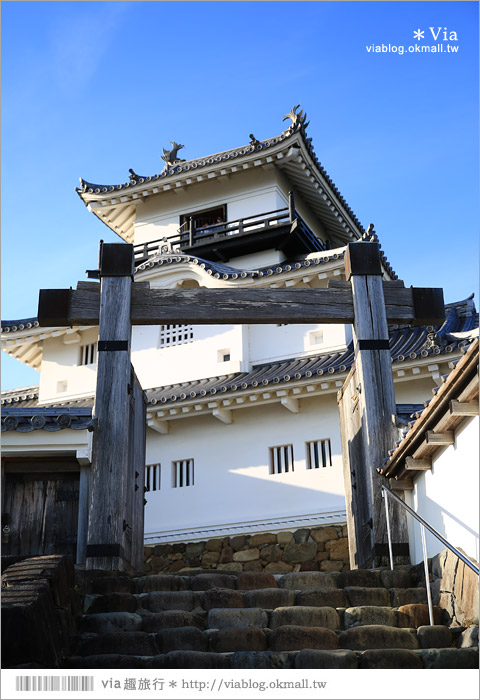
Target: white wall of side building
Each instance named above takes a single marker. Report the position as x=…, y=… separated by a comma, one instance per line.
x=447, y=496
x=233, y=483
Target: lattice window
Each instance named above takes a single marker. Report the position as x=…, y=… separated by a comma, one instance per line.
x=319, y=454
x=88, y=354
x=281, y=459
x=175, y=335
x=182, y=473
x=153, y=477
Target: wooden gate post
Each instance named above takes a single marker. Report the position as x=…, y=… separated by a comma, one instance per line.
x=107, y=526
x=366, y=445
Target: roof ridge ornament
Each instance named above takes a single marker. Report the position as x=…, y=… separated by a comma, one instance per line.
x=170, y=156
x=298, y=120
x=369, y=236
x=134, y=178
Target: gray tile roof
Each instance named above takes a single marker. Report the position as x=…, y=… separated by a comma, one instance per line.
x=26, y=396
x=49, y=418
x=19, y=325
x=463, y=377
x=406, y=343
x=199, y=163
x=226, y=272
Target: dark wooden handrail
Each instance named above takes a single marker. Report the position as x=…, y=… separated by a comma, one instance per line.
x=188, y=235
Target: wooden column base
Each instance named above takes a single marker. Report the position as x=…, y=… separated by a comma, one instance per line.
x=106, y=557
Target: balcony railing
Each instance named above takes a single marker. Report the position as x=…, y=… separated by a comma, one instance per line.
x=190, y=234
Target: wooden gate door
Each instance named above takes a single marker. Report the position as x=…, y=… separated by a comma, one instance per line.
x=360, y=540
x=41, y=510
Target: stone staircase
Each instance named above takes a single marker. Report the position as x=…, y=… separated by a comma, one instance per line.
x=353, y=619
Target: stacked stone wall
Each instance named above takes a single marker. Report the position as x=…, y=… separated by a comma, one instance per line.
x=318, y=549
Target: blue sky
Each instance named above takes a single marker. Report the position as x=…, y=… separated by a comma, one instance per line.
x=91, y=89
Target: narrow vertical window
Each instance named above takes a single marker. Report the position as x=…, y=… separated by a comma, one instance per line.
x=153, y=477
x=88, y=354
x=182, y=473
x=281, y=459
x=319, y=454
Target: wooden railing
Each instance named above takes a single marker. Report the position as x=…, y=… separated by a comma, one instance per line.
x=188, y=235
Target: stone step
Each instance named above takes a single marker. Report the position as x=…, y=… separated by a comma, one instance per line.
x=309, y=619
x=281, y=637
x=104, y=583
x=429, y=658
x=151, y=615
x=354, y=605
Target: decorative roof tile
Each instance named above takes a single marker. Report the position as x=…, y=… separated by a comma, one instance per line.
x=19, y=325
x=226, y=272
x=49, y=418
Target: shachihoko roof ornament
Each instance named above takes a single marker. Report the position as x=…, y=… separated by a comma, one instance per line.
x=170, y=156
x=298, y=120
x=369, y=235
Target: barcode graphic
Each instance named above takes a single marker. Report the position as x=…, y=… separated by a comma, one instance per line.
x=52, y=683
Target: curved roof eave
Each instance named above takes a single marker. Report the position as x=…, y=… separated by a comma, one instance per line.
x=227, y=273
x=291, y=151
x=23, y=339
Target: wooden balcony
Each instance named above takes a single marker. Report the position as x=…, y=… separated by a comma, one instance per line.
x=281, y=229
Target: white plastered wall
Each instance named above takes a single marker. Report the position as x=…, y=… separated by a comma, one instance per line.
x=410, y=389
x=245, y=194
x=198, y=359
x=232, y=479
x=246, y=345
x=44, y=442
x=62, y=376
x=276, y=342
x=447, y=496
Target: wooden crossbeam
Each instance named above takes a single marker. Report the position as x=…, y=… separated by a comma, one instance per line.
x=458, y=408
x=417, y=464
x=70, y=307
x=439, y=438
x=398, y=485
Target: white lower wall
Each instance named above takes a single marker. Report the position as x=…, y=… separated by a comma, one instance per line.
x=232, y=479
x=272, y=342
x=447, y=496
x=416, y=391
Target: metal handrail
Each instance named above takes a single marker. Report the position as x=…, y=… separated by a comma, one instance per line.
x=387, y=493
